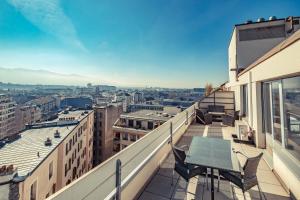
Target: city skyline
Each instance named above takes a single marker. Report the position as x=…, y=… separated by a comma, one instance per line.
x=134, y=43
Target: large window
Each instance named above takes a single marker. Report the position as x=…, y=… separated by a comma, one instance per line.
x=50, y=170
x=267, y=128
x=291, y=95
x=245, y=101
x=276, y=111
x=33, y=189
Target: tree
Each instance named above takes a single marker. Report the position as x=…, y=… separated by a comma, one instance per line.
x=208, y=89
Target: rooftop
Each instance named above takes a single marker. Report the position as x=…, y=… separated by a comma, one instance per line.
x=29, y=151
x=149, y=115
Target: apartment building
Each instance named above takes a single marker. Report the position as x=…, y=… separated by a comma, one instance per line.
x=47, y=156
x=132, y=126
x=138, y=97
x=47, y=104
x=264, y=73
x=105, y=117
x=7, y=116
x=26, y=115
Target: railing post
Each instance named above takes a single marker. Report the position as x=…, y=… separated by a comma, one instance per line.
x=171, y=133
x=118, y=179
x=187, y=117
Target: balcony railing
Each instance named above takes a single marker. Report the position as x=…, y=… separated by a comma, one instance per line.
x=126, y=173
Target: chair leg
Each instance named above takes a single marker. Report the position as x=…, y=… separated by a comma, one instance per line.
x=232, y=191
x=261, y=193
x=218, y=182
x=244, y=195
x=172, y=177
x=207, y=180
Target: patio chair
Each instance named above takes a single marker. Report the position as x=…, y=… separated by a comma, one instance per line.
x=228, y=119
x=248, y=178
x=185, y=170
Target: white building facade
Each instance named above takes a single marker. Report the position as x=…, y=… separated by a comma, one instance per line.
x=264, y=73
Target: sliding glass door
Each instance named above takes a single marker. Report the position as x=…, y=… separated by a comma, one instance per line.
x=281, y=115
x=291, y=99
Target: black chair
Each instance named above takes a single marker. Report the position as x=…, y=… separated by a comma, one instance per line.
x=185, y=170
x=228, y=120
x=247, y=179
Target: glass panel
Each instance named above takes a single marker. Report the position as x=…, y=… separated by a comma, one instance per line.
x=245, y=100
x=291, y=91
x=276, y=111
x=266, y=108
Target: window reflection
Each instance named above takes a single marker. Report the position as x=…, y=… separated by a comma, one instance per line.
x=291, y=91
x=276, y=111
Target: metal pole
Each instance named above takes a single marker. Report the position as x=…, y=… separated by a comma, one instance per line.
x=187, y=118
x=171, y=133
x=118, y=179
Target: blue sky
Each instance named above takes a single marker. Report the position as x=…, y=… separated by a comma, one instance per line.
x=167, y=43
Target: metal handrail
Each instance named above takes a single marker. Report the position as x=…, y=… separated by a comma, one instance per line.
x=145, y=161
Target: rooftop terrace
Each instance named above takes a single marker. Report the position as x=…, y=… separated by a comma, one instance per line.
x=160, y=188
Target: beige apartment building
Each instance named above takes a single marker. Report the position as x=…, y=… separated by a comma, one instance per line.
x=7, y=116
x=47, y=156
x=26, y=115
x=264, y=73
x=105, y=117
x=132, y=126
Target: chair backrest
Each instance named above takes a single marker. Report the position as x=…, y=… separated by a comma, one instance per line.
x=179, y=154
x=251, y=165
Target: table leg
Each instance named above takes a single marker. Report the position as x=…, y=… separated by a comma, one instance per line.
x=212, y=191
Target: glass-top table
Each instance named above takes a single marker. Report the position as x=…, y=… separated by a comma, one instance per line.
x=213, y=153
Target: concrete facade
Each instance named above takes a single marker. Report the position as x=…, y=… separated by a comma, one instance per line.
x=7, y=116
x=44, y=169
x=277, y=64
x=27, y=115
x=105, y=117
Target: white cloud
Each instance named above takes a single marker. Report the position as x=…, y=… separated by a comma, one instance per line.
x=48, y=16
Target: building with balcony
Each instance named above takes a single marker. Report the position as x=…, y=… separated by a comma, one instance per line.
x=7, y=116
x=105, y=116
x=132, y=126
x=265, y=82
x=47, y=156
x=264, y=73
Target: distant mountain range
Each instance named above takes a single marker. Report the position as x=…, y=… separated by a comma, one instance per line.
x=42, y=77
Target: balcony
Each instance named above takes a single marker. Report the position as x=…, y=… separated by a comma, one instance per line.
x=143, y=170
x=160, y=188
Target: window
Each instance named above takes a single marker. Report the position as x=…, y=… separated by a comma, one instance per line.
x=70, y=144
x=66, y=169
x=150, y=125
x=266, y=108
x=262, y=33
x=291, y=99
x=33, y=189
x=69, y=163
x=50, y=170
x=53, y=188
x=130, y=123
x=276, y=111
x=138, y=124
x=245, y=100
x=133, y=138
x=125, y=136
x=67, y=149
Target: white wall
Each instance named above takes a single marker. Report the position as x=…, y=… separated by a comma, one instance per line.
x=285, y=63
